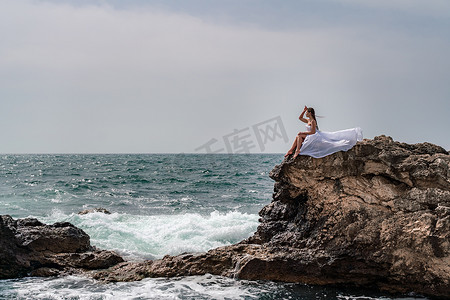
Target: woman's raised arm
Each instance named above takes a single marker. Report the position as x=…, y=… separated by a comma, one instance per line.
x=301, y=115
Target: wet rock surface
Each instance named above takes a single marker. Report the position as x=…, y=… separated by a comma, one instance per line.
x=377, y=215
x=29, y=247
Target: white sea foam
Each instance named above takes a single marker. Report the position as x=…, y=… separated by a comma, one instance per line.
x=73, y=287
x=192, y=287
x=139, y=237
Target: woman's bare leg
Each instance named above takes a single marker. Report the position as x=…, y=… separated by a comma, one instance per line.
x=290, y=151
x=300, y=140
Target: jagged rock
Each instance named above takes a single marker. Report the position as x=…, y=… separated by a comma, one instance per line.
x=376, y=215
x=29, y=247
x=92, y=210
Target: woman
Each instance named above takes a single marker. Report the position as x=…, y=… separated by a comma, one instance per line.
x=318, y=144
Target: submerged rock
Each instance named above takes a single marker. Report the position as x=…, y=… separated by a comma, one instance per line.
x=376, y=215
x=29, y=247
x=93, y=210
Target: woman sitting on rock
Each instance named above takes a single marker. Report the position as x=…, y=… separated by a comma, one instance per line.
x=317, y=143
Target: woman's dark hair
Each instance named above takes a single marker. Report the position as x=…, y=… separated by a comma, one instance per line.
x=313, y=114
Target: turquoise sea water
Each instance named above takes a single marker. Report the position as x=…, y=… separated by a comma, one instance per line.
x=160, y=204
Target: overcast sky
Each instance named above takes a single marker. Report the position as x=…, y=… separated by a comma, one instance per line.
x=170, y=76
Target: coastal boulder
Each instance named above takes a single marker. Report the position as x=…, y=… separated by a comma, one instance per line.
x=29, y=247
x=378, y=214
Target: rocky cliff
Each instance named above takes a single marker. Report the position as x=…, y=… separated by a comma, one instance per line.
x=28, y=247
x=377, y=215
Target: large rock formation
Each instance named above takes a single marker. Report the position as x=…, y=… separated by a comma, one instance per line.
x=28, y=247
x=376, y=215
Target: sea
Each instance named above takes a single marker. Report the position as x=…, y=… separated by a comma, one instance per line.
x=160, y=204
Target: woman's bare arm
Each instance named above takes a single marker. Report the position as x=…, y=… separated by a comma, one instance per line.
x=301, y=115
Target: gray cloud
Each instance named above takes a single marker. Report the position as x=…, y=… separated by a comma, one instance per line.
x=94, y=78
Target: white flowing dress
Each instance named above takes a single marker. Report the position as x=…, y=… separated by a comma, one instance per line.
x=324, y=143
